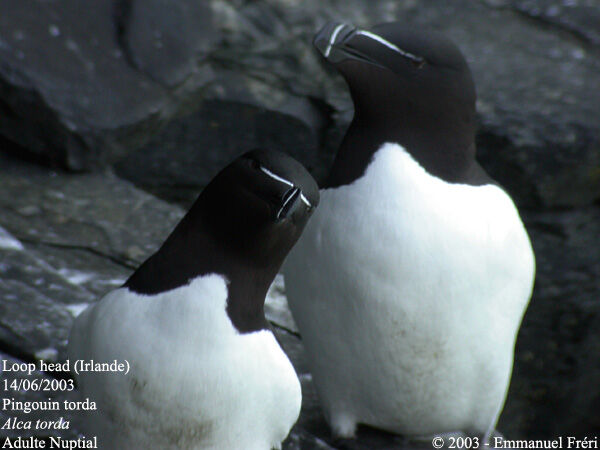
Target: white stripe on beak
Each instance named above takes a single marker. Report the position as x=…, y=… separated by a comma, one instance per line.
x=389, y=45
x=336, y=31
x=287, y=182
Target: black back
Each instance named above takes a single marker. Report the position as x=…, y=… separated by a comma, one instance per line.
x=411, y=87
x=242, y=226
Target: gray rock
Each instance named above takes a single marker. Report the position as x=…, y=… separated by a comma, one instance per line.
x=97, y=213
x=555, y=389
x=166, y=40
x=538, y=89
x=585, y=402
x=190, y=151
x=96, y=273
x=36, y=306
x=581, y=18
x=537, y=99
x=71, y=93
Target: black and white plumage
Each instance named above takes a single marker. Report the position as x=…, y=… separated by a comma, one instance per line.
x=410, y=282
x=206, y=371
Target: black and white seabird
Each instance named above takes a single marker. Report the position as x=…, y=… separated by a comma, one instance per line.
x=206, y=372
x=410, y=282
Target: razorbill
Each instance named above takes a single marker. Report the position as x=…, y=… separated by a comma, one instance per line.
x=205, y=371
x=410, y=282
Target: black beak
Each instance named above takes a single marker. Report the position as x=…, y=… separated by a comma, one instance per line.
x=339, y=41
x=331, y=34
x=289, y=203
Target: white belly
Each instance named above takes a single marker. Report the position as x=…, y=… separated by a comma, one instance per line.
x=194, y=383
x=408, y=292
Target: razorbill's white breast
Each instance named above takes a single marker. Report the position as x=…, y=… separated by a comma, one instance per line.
x=206, y=372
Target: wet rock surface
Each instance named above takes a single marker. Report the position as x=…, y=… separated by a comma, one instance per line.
x=156, y=99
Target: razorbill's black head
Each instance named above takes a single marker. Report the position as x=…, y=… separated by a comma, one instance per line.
x=242, y=226
x=411, y=87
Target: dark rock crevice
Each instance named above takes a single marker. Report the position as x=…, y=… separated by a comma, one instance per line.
x=122, y=15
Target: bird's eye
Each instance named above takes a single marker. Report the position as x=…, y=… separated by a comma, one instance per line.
x=254, y=164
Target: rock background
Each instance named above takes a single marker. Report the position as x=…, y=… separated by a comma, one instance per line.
x=132, y=107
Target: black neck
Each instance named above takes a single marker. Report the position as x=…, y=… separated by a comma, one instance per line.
x=443, y=143
x=442, y=151
x=194, y=249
